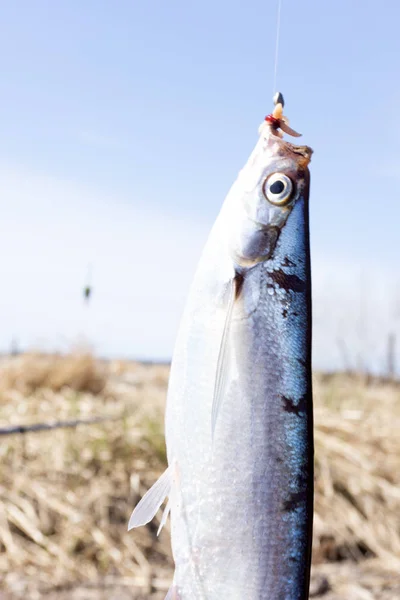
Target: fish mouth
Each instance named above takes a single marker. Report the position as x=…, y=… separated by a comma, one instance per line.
x=305, y=151
x=302, y=153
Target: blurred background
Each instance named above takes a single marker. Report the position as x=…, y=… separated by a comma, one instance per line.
x=123, y=126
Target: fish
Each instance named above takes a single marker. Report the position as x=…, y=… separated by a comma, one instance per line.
x=239, y=416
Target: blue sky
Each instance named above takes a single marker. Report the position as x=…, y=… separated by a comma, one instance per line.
x=124, y=125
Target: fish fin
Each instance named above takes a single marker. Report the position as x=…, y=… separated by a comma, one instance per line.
x=172, y=593
x=169, y=596
x=151, y=501
x=223, y=358
x=164, y=517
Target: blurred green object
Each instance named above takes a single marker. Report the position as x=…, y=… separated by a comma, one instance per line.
x=87, y=291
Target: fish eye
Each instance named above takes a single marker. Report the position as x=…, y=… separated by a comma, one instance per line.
x=278, y=189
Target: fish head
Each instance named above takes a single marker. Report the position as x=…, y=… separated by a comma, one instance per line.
x=273, y=181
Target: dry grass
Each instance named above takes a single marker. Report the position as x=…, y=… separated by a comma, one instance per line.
x=357, y=501
x=66, y=496
x=30, y=372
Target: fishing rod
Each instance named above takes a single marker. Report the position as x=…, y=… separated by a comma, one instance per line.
x=68, y=424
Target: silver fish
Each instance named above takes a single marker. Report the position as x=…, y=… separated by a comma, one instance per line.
x=239, y=425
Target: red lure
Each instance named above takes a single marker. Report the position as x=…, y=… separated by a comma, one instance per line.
x=276, y=123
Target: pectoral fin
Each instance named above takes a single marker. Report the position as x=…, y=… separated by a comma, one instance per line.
x=172, y=593
x=164, y=518
x=223, y=363
x=149, y=505
x=169, y=596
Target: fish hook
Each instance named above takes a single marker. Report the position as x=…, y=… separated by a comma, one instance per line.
x=276, y=120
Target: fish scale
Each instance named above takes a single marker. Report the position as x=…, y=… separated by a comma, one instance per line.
x=239, y=426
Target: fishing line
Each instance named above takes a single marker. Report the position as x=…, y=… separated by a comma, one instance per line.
x=278, y=31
